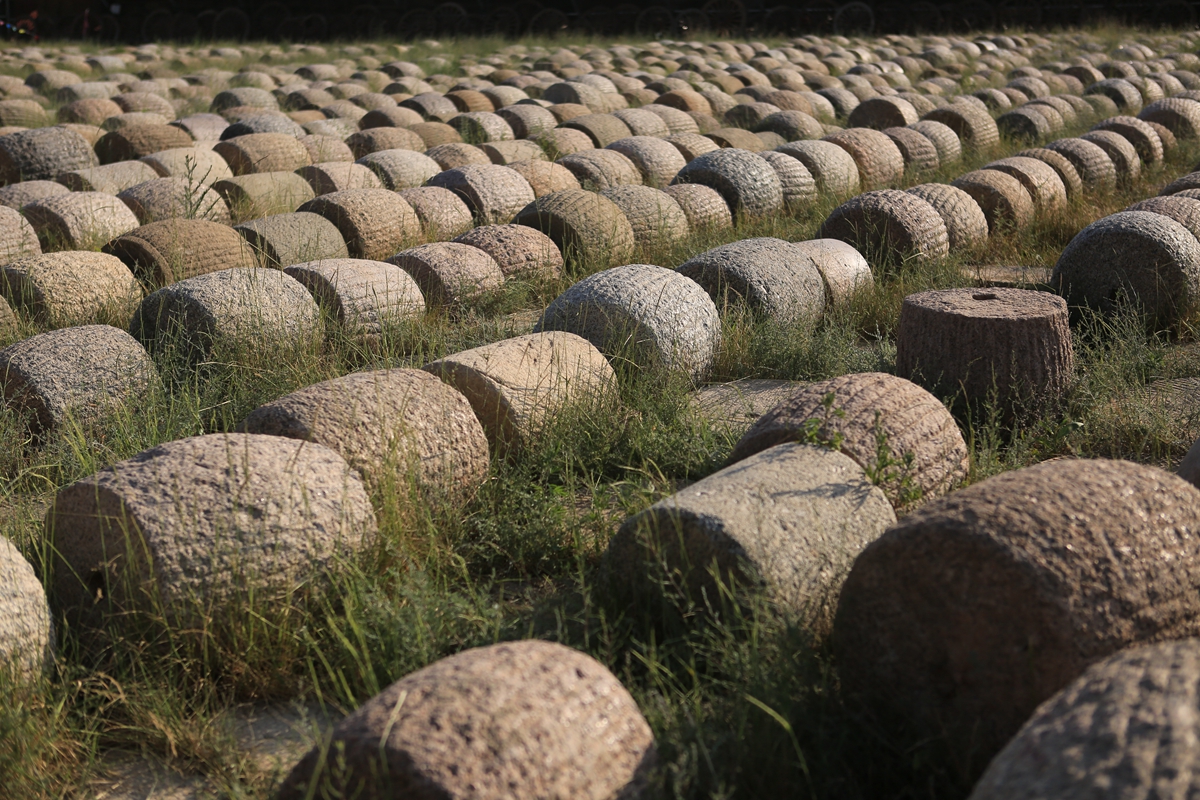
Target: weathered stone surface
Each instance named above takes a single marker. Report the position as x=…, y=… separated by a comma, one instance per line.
x=601, y=169
x=791, y=518
x=1005, y=202
x=654, y=216
x=364, y=296
x=657, y=160
x=583, y=223
x=966, y=225
x=1045, y=187
x=651, y=315
x=570, y=728
x=517, y=249
x=1134, y=257
x=24, y=615
x=134, y=141
x=772, y=276
x=400, y=169
x=254, y=306
x=923, y=453
x=17, y=237
x=263, y=194
x=42, y=154
x=945, y=140
x=374, y=140
x=843, y=269
x=1013, y=344
x=517, y=386
x=973, y=124
x=833, y=169
x=1120, y=151
x=1125, y=727
x=186, y=526
x=263, y=152
x=16, y=195
x=334, y=176
x=961, y=619
x=544, y=177
x=374, y=223
x=703, y=206
x=109, y=178
x=74, y=373
x=1095, y=168
x=449, y=272
x=747, y=181
x=442, y=213
x=71, y=288
x=495, y=194
x=880, y=162
x=172, y=250
x=889, y=225
x=391, y=425
x=174, y=198
x=284, y=239
x=79, y=220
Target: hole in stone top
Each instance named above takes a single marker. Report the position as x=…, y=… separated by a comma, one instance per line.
x=983, y=296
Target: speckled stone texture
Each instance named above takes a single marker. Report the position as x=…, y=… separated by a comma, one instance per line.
x=1043, y=184
x=582, y=222
x=1177, y=114
x=16, y=195
x=24, y=615
x=442, y=213
x=79, y=220
x=601, y=169
x=364, y=296
x=833, y=169
x=374, y=140
x=791, y=125
x=1013, y=343
x=1120, y=151
x=449, y=272
x=1005, y=202
x=17, y=237
x=172, y=250
x=918, y=151
x=400, y=169
x=250, y=307
x=602, y=129
x=495, y=194
x=880, y=162
x=977, y=607
x=74, y=373
x=570, y=730
x=109, y=179
x=390, y=425
x=204, y=164
x=1127, y=727
x=973, y=124
x=374, y=223
x=187, y=525
x=517, y=386
x=1024, y=124
x=799, y=189
x=71, y=288
x=1182, y=209
x=654, y=216
x=774, y=277
x=284, y=239
x=43, y=153
x=883, y=112
x=1134, y=257
x=866, y=405
x=334, y=176
x=1096, y=169
x=517, y=249
x=791, y=518
x=944, y=139
x=703, y=206
x=263, y=194
x=888, y=225
x=747, y=181
x=174, y=198
x=657, y=160
x=966, y=225
x=544, y=177
x=263, y=152
x=134, y=141
x=691, y=145
x=649, y=314
x=1138, y=133
x=843, y=269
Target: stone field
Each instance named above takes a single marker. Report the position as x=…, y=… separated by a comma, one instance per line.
x=564, y=418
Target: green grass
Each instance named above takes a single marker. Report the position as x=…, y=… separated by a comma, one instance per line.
x=742, y=701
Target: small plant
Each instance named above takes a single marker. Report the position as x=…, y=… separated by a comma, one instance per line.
x=198, y=200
